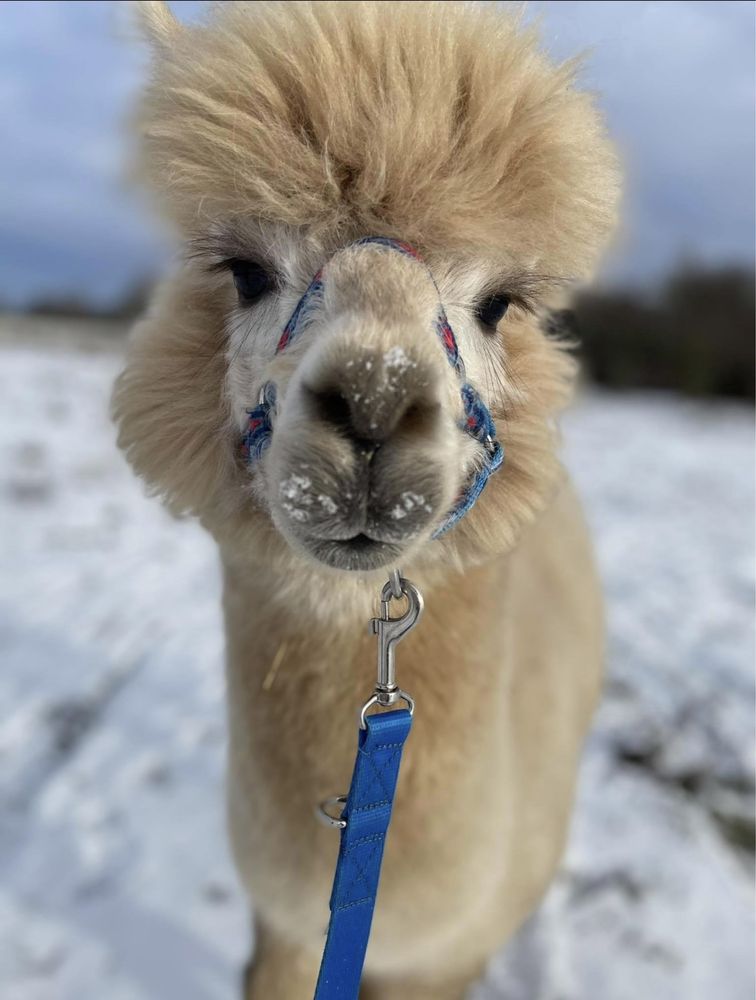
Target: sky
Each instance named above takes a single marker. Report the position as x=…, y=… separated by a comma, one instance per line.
x=676, y=80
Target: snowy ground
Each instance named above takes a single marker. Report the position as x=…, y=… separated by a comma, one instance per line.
x=115, y=883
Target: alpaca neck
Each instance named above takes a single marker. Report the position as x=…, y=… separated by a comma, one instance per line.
x=309, y=642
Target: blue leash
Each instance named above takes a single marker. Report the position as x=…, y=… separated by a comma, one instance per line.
x=365, y=818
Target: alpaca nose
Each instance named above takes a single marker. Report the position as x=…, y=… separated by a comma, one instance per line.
x=371, y=399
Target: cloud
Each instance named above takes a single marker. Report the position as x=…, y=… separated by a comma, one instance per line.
x=676, y=81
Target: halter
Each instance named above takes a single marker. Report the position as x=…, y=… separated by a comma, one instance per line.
x=477, y=420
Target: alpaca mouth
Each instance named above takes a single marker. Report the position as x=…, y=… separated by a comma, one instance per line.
x=358, y=553
x=354, y=522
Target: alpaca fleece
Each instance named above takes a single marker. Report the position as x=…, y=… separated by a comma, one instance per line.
x=280, y=133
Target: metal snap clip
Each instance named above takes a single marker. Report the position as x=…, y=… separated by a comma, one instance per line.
x=389, y=631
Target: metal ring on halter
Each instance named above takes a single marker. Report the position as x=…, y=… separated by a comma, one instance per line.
x=395, y=579
x=396, y=695
x=321, y=812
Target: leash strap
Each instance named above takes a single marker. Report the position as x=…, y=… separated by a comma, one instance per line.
x=367, y=814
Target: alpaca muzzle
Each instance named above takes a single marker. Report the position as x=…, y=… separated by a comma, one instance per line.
x=355, y=474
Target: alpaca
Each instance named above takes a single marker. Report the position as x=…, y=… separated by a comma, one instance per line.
x=274, y=136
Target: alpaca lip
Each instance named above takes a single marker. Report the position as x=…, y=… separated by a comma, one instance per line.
x=360, y=552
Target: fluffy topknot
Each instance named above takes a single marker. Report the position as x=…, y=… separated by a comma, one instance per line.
x=439, y=123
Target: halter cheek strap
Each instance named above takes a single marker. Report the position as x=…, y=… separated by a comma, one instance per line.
x=477, y=420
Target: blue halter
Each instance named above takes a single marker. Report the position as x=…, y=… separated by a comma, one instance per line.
x=477, y=420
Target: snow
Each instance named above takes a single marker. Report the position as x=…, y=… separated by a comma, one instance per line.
x=409, y=501
x=295, y=491
x=116, y=879
x=328, y=504
x=397, y=359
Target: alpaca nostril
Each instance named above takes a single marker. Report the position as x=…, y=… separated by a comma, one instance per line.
x=370, y=402
x=418, y=417
x=333, y=408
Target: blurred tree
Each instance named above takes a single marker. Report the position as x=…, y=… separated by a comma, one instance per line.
x=129, y=307
x=695, y=336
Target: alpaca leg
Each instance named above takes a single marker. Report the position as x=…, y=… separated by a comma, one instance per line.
x=279, y=970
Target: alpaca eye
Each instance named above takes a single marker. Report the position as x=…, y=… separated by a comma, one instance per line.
x=491, y=310
x=252, y=280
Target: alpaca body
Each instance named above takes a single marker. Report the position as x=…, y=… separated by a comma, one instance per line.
x=277, y=136
x=505, y=669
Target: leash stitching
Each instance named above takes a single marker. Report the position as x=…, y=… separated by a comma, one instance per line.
x=361, y=873
x=380, y=773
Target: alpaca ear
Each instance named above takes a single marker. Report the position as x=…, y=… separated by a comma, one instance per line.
x=155, y=22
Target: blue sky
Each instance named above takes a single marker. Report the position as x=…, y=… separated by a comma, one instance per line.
x=676, y=80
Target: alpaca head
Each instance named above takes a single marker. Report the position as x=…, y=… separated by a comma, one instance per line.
x=366, y=455
x=277, y=135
